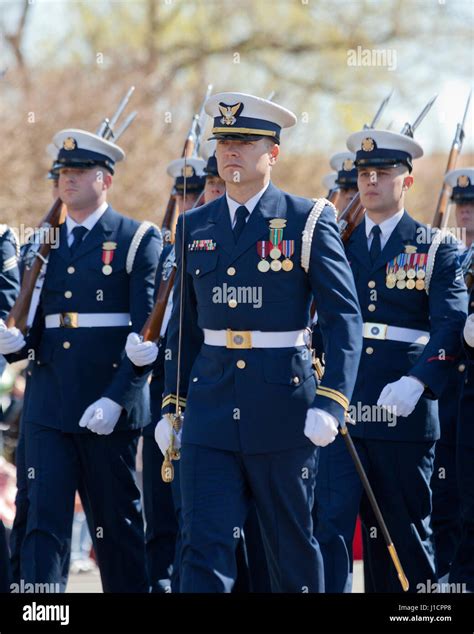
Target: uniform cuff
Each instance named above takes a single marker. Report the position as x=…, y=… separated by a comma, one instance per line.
x=332, y=401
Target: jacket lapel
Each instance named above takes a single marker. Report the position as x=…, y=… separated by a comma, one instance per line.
x=357, y=246
x=257, y=228
x=101, y=232
x=404, y=233
x=220, y=219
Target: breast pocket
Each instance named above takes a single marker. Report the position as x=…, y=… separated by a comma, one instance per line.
x=202, y=267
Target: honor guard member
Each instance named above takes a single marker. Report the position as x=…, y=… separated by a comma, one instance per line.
x=9, y=289
x=215, y=185
x=413, y=302
x=86, y=405
x=161, y=517
x=446, y=516
x=346, y=179
x=253, y=261
x=462, y=567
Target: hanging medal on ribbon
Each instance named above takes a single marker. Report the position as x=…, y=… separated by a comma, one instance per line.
x=288, y=248
x=263, y=248
x=108, y=249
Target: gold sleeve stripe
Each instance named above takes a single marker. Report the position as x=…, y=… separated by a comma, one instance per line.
x=337, y=396
x=335, y=392
x=171, y=400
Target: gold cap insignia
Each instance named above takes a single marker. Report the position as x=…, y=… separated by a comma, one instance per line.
x=348, y=165
x=410, y=248
x=367, y=144
x=69, y=143
x=463, y=181
x=277, y=223
x=109, y=246
x=188, y=171
x=229, y=113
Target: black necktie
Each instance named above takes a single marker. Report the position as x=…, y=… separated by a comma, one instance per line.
x=240, y=218
x=78, y=233
x=376, y=246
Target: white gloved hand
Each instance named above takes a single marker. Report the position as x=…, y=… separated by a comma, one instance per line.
x=320, y=427
x=140, y=352
x=401, y=397
x=102, y=416
x=11, y=339
x=163, y=432
x=468, y=331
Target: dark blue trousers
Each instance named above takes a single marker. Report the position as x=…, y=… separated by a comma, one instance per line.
x=217, y=489
x=160, y=518
x=400, y=474
x=56, y=464
x=5, y=577
x=462, y=568
x=446, y=516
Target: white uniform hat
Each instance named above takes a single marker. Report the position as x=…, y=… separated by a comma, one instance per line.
x=382, y=148
x=81, y=149
x=238, y=115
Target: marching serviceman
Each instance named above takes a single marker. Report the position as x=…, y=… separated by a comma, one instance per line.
x=413, y=302
x=346, y=180
x=86, y=404
x=161, y=516
x=9, y=289
x=462, y=567
x=253, y=261
x=446, y=516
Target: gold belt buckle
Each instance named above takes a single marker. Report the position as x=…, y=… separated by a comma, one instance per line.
x=238, y=339
x=373, y=330
x=68, y=320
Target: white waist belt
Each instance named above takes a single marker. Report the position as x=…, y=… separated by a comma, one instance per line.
x=374, y=330
x=87, y=320
x=242, y=339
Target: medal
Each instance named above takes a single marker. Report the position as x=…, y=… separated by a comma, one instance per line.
x=420, y=274
x=401, y=284
x=420, y=284
x=401, y=274
x=276, y=235
x=411, y=283
x=108, y=249
x=390, y=283
x=391, y=277
x=288, y=247
x=276, y=265
x=262, y=250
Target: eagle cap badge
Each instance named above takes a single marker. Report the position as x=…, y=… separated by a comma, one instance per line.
x=229, y=113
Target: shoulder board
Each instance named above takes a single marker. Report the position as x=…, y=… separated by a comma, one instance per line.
x=135, y=243
x=308, y=232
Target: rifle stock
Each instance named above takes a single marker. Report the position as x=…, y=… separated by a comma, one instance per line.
x=152, y=328
x=37, y=254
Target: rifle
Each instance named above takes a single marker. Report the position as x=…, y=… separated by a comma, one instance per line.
x=152, y=328
x=440, y=216
x=191, y=147
x=107, y=128
x=352, y=215
x=35, y=257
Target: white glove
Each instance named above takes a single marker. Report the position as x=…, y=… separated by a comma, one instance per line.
x=401, y=396
x=11, y=339
x=140, y=352
x=163, y=433
x=320, y=427
x=102, y=416
x=468, y=331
